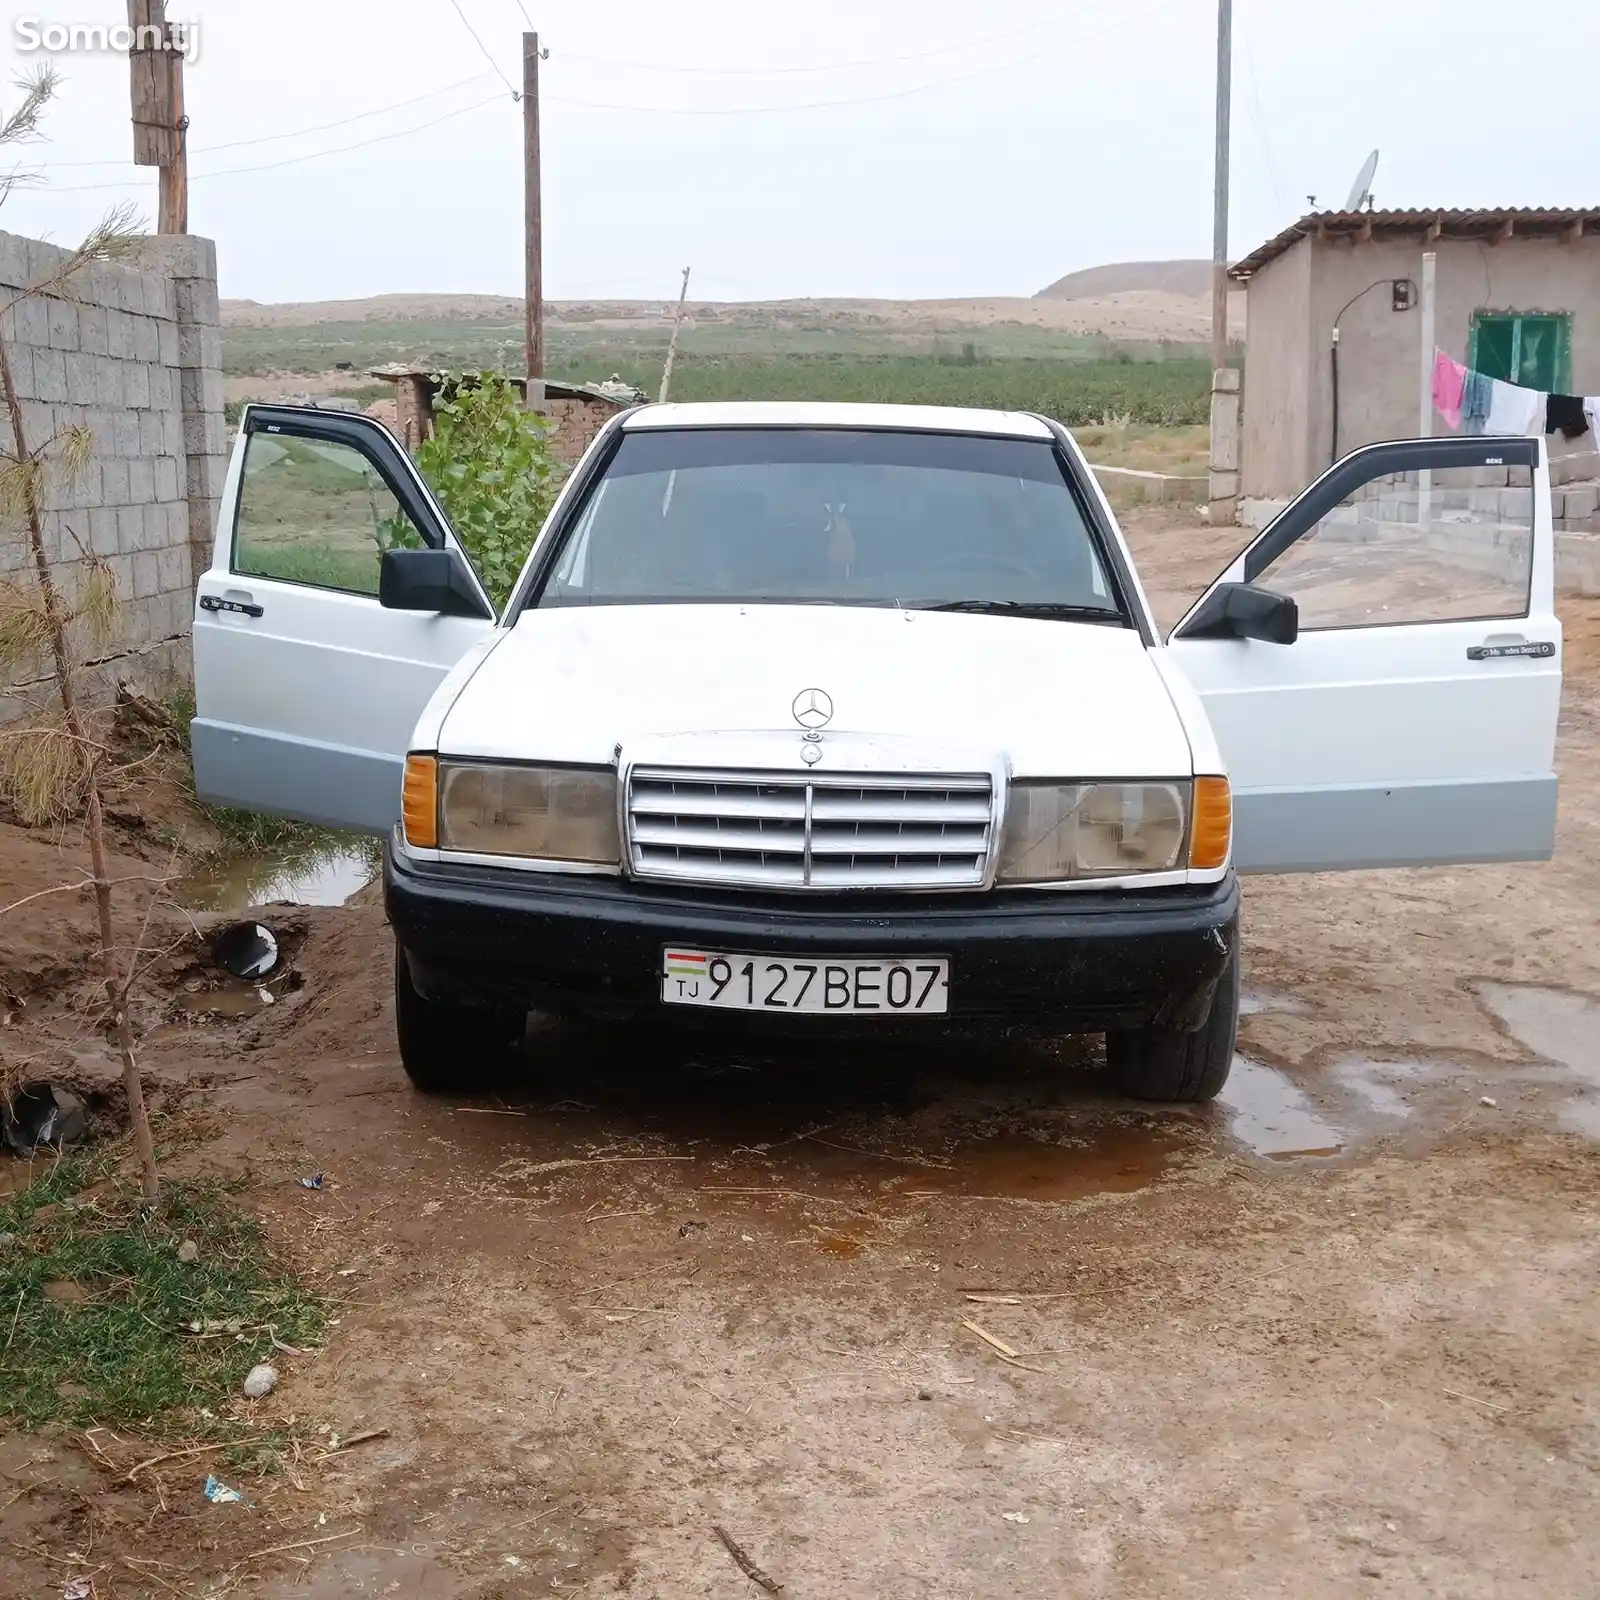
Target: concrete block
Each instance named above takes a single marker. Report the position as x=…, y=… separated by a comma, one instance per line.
x=149, y=425
x=38, y=422
x=130, y=529
x=110, y=392
x=62, y=316
x=146, y=339
x=141, y=481
x=129, y=288
x=32, y=322
x=114, y=481
x=166, y=477
x=195, y=300
x=200, y=389
x=167, y=335
x=13, y=260
x=176, y=255
x=103, y=534
x=92, y=330
x=204, y=477
x=1226, y=380
x=125, y=436
x=82, y=384
x=136, y=383
x=205, y=434
x=158, y=297
x=172, y=567
x=44, y=261
x=22, y=369
x=172, y=438
x=1516, y=505
x=87, y=492
x=146, y=574
x=50, y=374
x=157, y=527
x=1582, y=500
x=164, y=386
x=199, y=346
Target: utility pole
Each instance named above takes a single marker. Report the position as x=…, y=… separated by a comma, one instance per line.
x=160, y=128
x=672, y=343
x=533, y=223
x=1219, y=239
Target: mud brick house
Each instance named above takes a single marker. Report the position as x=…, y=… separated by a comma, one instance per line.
x=1516, y=295
x=575, y=412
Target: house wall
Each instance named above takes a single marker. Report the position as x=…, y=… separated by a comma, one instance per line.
x=135, y=354
x=1275, y=458
x=1380, y=349
x=574, y=424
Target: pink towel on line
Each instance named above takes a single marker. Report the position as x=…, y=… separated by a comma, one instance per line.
x=1449, y=383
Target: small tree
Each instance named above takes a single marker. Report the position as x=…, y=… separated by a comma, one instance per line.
x=489, y=463
x=54, y=763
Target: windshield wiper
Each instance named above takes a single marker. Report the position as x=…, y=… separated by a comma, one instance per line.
x=1028, y=608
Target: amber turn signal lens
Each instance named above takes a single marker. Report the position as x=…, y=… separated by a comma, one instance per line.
x=419, y=802
x=1213, y=823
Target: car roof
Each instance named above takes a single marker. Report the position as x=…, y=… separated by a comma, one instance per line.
x=819, y=414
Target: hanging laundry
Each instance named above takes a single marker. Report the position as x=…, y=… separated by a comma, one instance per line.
x=1475, y=400
x=1513, y=409
x=1591, y=409
x=1449, y=381
x=1565, y=412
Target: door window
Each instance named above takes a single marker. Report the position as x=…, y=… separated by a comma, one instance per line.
x=316, y=511
x=1444, y=545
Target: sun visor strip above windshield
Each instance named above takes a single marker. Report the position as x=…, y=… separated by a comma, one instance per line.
x=684, y=449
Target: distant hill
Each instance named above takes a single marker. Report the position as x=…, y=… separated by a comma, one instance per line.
x=1166, y=277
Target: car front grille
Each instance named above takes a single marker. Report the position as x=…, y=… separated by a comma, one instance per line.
x=777, y=831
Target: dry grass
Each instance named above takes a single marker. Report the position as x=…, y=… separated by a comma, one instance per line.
x=1116, y=443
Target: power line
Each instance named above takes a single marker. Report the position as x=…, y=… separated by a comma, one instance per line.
x=525, y=17
x=314, y=155
x=298, y=133
x=516, y=94
x=961, y=48
x=866, y=99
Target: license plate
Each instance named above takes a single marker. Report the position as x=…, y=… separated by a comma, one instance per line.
x=852, y=986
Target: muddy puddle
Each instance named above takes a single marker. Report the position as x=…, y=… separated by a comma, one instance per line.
x=1564, y=1030
x=326, y=872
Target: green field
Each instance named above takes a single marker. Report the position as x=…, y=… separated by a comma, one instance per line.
x=1078, y=381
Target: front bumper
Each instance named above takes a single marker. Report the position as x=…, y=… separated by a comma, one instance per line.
x=578, y=945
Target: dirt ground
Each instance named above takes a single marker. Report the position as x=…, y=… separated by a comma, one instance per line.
x=1333, y=1336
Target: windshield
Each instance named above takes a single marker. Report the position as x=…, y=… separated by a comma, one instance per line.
x=834, y=516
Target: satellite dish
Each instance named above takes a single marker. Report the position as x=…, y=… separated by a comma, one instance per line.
x=1361, y=192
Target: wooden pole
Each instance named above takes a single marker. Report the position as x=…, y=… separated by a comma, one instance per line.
x=175, y=174
x=159, y=125
x=1219, y=238
x=533, y=222
x=672, y=343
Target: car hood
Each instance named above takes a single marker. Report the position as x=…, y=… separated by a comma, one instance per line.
x=1044, y=698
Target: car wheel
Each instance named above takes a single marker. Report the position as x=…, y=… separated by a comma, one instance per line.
x=1170, y=1064
x=451, y=1049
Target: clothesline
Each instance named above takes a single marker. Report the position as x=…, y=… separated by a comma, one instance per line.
x=1471, y=402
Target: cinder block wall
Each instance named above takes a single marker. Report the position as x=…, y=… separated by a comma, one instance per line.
x=133, y=352
x=574, y=424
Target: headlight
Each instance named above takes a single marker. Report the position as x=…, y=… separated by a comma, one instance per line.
x=550, y=813
x=1057, y=831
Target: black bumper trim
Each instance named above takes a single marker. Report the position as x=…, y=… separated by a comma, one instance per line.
x=592, y=945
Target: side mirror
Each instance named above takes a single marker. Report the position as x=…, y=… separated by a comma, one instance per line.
x=1244, y=611
x=429, y=580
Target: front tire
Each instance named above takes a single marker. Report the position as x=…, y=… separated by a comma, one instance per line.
x=446, y=1048
x=1171, y=1064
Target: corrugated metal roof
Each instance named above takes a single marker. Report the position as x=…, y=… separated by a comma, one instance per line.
x=1507, y=222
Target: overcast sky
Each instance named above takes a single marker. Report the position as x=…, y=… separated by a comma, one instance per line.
x=936, y=149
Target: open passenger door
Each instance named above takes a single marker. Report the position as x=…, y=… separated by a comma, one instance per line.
x=307, y=686
x=1412, y=719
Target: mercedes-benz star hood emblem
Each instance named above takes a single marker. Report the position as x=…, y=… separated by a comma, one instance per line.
x=813, y=708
